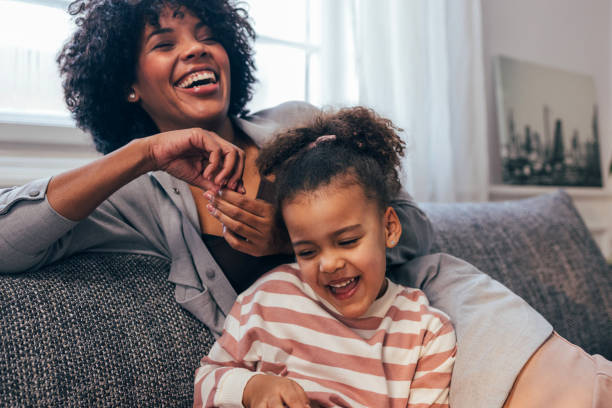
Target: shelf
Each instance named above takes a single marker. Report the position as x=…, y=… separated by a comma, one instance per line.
x=502, y=191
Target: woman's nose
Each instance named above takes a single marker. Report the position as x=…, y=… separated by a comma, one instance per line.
x=193, y=49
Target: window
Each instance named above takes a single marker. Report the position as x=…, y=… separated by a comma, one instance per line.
x=288, y=51
x=38, y=137
x=287, y=56
x=31, y=35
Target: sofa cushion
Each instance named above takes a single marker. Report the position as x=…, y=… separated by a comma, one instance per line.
x=541, y=249
x=97, y=330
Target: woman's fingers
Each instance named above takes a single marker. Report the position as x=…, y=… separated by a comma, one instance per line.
x=214, y=159
x=248, y=218
x=235, y=182
x=259, y=208
x=225, y=160
x=238, y=243
x=246, y=210
x=242, y=236
x=228, y=166
x=199, y=157
x=237, y=227
x=202, y=182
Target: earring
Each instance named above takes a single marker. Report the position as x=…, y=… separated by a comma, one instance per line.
x=132, y=96
x=392, y=242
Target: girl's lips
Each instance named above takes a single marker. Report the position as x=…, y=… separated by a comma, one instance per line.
x=346, y=291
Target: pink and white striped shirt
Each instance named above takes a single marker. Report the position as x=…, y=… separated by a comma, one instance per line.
x=399, y=354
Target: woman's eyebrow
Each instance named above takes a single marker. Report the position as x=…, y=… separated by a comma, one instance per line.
x=201, y=25
x=159, y=31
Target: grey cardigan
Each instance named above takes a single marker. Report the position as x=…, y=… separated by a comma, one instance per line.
x=155, y=214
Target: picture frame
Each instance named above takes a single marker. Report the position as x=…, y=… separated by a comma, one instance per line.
x=548, y=125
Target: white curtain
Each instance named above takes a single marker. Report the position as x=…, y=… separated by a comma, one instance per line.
x=419, y=63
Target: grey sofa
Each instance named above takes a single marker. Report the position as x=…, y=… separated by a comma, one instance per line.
x=104, y=330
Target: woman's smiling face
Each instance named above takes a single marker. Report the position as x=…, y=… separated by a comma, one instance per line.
x=183, y=73
x=340, y=238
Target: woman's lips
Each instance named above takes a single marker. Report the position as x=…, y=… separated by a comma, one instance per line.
x=207, y=89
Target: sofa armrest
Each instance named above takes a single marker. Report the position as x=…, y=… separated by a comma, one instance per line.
x=97, y=330
x=541, y=249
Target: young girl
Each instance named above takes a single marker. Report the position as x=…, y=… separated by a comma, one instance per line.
x=331, y=329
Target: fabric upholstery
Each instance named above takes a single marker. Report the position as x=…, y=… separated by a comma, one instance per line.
x=105, y=330
x=82, y=333
x=541, y=249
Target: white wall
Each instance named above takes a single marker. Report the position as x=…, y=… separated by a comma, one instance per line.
x=29, y=152
x=573, y=35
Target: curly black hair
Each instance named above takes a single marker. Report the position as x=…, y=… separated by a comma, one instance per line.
x=98, y=64
x=365, y=150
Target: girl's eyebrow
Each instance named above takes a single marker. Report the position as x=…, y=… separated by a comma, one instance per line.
x=335, y=233
x=348, y=228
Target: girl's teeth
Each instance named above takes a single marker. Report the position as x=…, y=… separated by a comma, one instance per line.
x=341, y=285
x=344, y=287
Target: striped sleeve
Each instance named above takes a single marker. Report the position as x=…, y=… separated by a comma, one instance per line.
x=222, y=376
x=431, y=383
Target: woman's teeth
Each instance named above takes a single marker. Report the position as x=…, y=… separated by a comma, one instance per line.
x=198, y=79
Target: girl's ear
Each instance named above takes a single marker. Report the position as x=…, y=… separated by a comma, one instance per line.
x=393, y=227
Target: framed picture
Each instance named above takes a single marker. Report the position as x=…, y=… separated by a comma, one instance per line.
x=548, y=125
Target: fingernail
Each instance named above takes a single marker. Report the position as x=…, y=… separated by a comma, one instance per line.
x=224, y=229
x=209, y=196
x=219, y=193
x=212, y=210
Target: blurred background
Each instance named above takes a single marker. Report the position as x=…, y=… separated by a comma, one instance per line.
x=426, y=64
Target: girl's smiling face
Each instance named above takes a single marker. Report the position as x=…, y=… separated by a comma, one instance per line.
x=183, y=73
x=340, y=238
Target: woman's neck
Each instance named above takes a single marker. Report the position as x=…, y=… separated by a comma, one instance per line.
x=223, y=128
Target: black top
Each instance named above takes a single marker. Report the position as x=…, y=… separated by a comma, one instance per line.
x=232, y=261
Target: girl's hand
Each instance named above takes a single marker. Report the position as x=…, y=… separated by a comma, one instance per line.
x=199, y=157
x=249, y=224
x=265, y=390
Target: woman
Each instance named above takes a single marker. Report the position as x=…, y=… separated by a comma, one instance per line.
x=162, y=86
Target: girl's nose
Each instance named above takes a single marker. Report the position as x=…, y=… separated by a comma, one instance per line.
x=331, y=263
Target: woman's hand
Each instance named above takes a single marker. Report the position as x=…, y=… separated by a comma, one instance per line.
x=199, y=157
x=249, y=224
x=265, y=390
